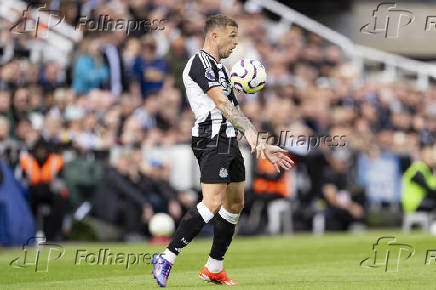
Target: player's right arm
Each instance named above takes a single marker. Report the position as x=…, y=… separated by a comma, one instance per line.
x=274, y=153
x=238, y=120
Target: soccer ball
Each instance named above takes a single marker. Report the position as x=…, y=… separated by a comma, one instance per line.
x=161, y=225
x=248, y=76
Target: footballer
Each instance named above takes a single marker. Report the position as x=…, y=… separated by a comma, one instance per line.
x=218, y=121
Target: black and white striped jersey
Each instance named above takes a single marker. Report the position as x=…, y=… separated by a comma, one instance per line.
x=201, y=73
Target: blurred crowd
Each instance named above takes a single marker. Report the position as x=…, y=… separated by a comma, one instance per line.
x=127, y=90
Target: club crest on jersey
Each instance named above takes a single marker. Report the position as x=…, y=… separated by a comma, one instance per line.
x=210, y=74
x=223, y=173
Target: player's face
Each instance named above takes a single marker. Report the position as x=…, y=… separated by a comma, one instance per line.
x=227, y=39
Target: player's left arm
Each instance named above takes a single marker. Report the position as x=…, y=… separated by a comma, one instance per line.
x=238, y=120
x=275, y=154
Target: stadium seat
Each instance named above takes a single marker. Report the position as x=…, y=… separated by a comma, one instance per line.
x=279, y=215
x=255, y=215
x=318, y=224
x=422, y=219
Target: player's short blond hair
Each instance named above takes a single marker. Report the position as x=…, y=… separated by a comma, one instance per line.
x=219, y=20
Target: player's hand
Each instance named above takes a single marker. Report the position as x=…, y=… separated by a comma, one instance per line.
x=278, y=157
x=257, y=145
x=260, y=150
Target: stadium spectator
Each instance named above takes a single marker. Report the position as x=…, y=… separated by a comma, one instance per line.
x=419, y=182
x=20, y=104
x=146, y=114
x=131, y=52
x=9, y=148
x=153, y=179
x=379, y=173
x=168, y=115
x=342, y=209
x=119, y=201
x=42, y=172
x=5, y=111
x=126, y=108
x=52, y=130
x=117, y=82
x=162, y=195
x=150, y=70
x=89, y=71
x=269, y=185
x=132, y=132
x=177, y=57
x=4, y=129
x=50, y=78
x=25, y=133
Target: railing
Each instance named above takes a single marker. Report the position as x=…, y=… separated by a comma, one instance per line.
x=357, y=52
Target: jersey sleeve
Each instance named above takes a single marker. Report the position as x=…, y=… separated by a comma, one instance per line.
x=204, y=73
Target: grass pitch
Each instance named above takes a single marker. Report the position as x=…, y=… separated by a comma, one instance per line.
x=286, y=262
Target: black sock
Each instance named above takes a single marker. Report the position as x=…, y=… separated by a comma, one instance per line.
x=189, y=227
x=222, y=237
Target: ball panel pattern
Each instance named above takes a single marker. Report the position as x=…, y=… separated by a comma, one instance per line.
x=248, y=76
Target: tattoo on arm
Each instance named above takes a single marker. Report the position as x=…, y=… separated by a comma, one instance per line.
x=237, y=118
